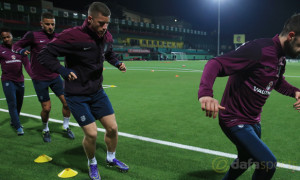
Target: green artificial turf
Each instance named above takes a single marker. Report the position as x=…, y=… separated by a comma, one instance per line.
x=156, y=100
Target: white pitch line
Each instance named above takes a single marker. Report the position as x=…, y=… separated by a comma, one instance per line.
x=175, y=70
x=292, y=76
x=167, y=143
x=25, y=96
x=133, y=69
x=104, y=86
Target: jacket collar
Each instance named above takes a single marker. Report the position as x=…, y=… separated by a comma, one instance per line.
x=278, y=46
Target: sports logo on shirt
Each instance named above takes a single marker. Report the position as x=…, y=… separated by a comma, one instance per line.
x=41, y=41
x=3, y=52
x=87, y=48
x=261, y=91
x=269, y=86
x=13, y=57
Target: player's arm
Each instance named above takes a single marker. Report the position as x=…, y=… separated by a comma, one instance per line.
x=211, y=106
x=48, y=57
x=297, y=103
x=19, y=46
x=111, y=57
x=26, y=65
x=283, y=87
x=234, y=62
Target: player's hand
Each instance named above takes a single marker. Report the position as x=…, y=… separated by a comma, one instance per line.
x=297, y=103
x=27, y=52
x=210, y=105
x=67, y=74
x=72, y=76
x=122, y=67
x=24, y=52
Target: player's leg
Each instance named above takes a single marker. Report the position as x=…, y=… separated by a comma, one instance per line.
x=111, y=141
x=65, y=109
x=267, y=162
x=20, y=96
x=57, y=87
x=46, y=108
x=239, y=165
x=79, y=106
x=42, y=92
x=236, y=169
x=247, y=139
x=9, y=90
x=89, y=146
x=111, y=133
x=102, y=110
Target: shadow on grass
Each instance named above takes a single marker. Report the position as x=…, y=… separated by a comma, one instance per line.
x=3, y=122
x=23, y=120
x=76, y=158
x=204, y=174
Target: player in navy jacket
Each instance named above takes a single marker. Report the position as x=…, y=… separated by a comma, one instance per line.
x=254, y=70
x=42, y=78
x=12, y=78
x=85, y=48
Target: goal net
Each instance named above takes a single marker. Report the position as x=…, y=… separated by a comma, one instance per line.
x=179, y=56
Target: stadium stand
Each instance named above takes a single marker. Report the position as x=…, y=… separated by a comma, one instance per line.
x=136, y=36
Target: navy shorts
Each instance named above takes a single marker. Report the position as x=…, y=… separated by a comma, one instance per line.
x=42, y=88
x=86, y=109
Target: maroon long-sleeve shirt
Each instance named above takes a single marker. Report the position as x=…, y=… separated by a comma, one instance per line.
x=84, y=53
x=254, y=70
x=36, y=40
x=11, y=65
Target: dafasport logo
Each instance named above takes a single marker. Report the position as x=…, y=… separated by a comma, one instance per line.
x=220, y=165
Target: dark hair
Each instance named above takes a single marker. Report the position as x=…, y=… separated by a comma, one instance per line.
x=292, y=24
x=47, y=15
x=98, y=7
x=5, y=30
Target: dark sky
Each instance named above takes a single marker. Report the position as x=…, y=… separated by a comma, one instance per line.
x=255, y=18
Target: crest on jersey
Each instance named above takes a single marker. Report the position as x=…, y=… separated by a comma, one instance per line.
x=269, y=86
x=82, y=118
x=13, y=57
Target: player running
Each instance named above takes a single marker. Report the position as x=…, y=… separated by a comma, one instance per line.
x=85, y=48
x=42, y=78
x=254, y=70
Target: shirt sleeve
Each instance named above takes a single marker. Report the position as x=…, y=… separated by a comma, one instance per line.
x=282, y=86
x=57, y=47
x=243, y=58
x=110, y=56
x=24, y=42
x=285, y=88
x=26, y=64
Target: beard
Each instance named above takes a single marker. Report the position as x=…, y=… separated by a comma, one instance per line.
x=288, y=49
x=50, y=31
